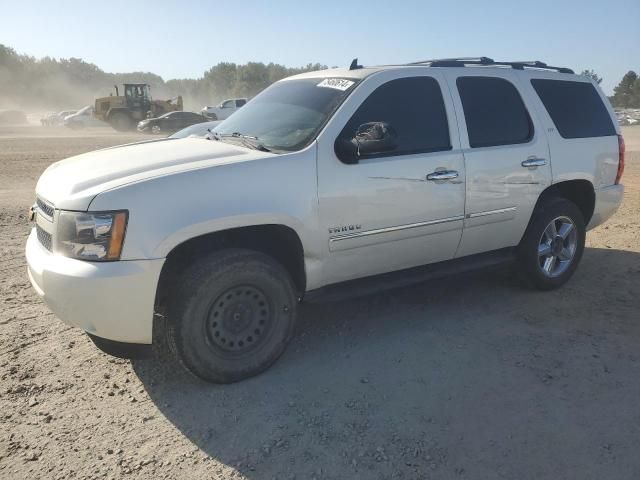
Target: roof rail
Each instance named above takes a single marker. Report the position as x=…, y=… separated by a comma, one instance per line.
x=457, y=61
x=486, y=61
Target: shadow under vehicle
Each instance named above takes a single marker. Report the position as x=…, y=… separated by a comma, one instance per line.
x=469, y=373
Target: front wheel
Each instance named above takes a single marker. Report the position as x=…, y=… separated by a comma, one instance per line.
x=156, y=130
x=232, y=315
x=553, y=244
x=121, y=122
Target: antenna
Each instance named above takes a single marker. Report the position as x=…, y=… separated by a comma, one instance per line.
x=354, y=64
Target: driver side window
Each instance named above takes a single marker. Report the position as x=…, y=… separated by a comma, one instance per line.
x=414, y=108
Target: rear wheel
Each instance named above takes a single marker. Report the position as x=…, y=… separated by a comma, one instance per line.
x=232, y=316
x=553, y=244
x=120, y=121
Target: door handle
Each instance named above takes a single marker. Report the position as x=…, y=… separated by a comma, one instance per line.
x=443, y=175
x=533, y=162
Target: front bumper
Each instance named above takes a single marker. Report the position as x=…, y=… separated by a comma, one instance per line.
x=111, y=300
x=608, y=200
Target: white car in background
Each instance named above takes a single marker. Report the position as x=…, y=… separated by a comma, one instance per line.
x=56, y=118
x=83, y=118
x=224, y=109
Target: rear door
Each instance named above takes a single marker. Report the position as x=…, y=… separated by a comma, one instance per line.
x=506, y=157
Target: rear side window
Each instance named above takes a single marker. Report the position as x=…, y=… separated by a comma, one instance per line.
x=494, y=112
x=240, y=103
x=576, y=108
x=414, y=107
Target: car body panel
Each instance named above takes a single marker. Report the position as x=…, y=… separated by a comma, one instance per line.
x=500, y=192
x=72, y=183
x=385, y=199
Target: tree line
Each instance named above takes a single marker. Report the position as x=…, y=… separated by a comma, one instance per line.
x=54, y=84
x=627, y=93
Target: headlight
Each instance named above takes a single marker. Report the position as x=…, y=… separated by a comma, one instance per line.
x=94, y=236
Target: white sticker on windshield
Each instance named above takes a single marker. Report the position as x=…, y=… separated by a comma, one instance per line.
x=337, y=83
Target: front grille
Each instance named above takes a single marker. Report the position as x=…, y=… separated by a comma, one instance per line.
x=45, y=208
x=44, y=238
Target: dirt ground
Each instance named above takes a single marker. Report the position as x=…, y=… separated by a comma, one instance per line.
x=469, y=377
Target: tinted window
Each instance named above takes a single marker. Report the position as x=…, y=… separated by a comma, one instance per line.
x=240, y=103
x=494, y=112
x=414, y=107
x=576, y=108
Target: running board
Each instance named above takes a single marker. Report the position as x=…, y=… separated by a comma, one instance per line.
x=410, y=276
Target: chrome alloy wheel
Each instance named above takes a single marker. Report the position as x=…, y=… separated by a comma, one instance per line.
x=557, y=246
x=155, y=130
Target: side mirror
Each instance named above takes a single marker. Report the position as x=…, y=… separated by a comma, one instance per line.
x=371, y=138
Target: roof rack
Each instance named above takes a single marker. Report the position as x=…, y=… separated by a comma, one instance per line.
x=486, y=61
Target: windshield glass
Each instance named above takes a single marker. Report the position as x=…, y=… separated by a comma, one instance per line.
x=289, y=114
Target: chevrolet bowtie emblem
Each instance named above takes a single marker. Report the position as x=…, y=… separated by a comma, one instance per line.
x=32, y=213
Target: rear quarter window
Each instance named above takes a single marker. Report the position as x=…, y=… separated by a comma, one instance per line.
x=576, y=108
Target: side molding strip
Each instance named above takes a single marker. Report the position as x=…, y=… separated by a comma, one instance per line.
x=491, y=212
x=377, y=231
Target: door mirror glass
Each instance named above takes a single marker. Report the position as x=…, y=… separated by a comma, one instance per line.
x=372, y=138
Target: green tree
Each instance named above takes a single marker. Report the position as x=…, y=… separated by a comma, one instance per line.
x=593, y=75
x=626, y=94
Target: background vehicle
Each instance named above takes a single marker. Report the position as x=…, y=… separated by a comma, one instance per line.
x=122, y=112
x=224, y=109
x=170, y=122
x=196, y=130
x=326, y=183
x=83, y=118
x=57, y=118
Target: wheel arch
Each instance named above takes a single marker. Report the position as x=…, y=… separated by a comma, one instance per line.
x=581, y=192
x=279, y=241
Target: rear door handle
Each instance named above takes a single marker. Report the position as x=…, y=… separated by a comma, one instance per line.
x=533, y=162
x=443, y=175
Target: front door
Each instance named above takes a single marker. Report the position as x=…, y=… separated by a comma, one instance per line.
x=506, y=157
x=400, y=208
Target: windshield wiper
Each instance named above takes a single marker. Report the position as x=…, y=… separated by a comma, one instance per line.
x=249, y=141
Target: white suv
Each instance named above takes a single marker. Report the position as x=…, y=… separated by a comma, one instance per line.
x=330, y=182
x=224, y=110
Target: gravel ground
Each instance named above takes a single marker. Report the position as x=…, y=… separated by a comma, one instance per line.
x=468, y=377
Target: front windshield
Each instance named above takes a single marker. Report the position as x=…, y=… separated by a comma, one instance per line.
x=289, y=114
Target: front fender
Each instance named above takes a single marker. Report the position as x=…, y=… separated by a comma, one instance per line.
x=165, y=211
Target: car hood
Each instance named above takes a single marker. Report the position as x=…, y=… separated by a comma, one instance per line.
x=71, y=184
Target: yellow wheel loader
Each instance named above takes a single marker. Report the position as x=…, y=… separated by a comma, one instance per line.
x=123, y=112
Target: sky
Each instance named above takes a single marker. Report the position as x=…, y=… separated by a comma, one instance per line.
x=184, y=39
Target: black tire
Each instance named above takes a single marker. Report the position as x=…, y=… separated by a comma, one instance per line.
x=232, y=315
x=120, y=121
x=531, y=264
